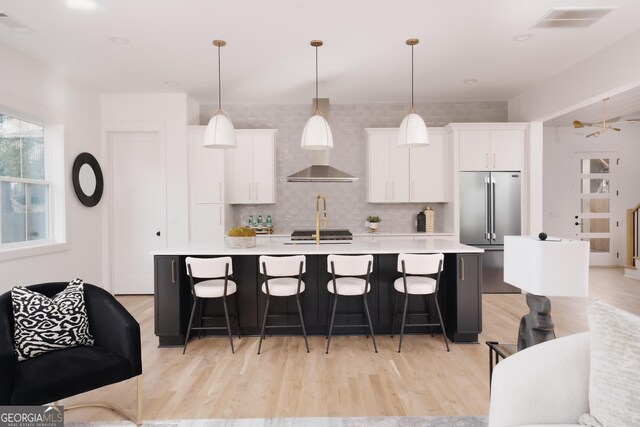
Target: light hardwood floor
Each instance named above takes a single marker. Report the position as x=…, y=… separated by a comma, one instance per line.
x=285, y=381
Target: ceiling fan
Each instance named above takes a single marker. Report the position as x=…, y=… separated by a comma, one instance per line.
x=605, y=124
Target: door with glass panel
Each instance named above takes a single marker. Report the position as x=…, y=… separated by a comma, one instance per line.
x=594, y=219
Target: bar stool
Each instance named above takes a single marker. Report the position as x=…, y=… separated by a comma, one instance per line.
x=213, y=276
x=283, y=278
x=348, y=266
x=415, y=280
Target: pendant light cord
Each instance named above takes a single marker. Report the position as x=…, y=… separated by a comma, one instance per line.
x=316, y=79
x=219, y=85
x=411, y=77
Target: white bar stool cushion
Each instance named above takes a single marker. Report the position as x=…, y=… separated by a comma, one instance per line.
x=416, y=285
x=350, y=265
x=283, y=286
x=214, y=288
x=420, y=263
x=349, y=286
x=203, y=268
x=282, y=265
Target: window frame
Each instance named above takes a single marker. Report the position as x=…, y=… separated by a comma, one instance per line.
x=54, y=165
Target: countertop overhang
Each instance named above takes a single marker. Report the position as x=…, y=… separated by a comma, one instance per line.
x=386, y=246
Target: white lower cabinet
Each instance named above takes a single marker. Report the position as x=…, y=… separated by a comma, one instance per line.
x=400, y=175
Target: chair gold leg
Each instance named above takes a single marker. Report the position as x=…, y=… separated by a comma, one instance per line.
x=115, y=408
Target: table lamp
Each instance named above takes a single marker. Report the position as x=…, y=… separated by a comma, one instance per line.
x=541, y=268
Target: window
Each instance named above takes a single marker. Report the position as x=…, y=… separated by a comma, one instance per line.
x=24, y=182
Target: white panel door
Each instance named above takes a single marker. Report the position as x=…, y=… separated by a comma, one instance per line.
x=138, y=211
x=594, y=192
x=507, y=150
x=427, y=169
x=263, y=184
x=208, y=223
x=475, y=146
x=378, y=180
x=206, y=169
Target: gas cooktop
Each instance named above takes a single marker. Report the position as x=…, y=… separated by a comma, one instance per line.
x=325, y=234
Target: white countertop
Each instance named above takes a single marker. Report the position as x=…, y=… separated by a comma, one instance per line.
x=367, y=234
x=386, y=246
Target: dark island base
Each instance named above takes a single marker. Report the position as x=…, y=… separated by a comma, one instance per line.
x=459, y=297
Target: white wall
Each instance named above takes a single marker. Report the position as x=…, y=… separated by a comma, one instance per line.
x=558, y=209
x=174, y=112
x=610, y=71
x=31, y=87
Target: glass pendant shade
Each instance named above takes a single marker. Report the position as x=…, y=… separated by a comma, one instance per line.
x=413, y=131
x=220, y=132
x=317, y=134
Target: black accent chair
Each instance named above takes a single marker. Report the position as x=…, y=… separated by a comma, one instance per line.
x=47, y=378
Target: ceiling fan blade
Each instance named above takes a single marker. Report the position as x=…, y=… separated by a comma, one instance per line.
x=613, y=119
x=578, y=124
x=594, y=134
x=631, y=121
x=616, y=129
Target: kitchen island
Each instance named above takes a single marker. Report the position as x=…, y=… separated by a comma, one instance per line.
x=460, y=294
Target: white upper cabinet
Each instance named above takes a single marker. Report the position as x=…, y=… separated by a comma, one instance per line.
x=251, y=167
x=428, y=169
x=206, y=169
x=400, y=174
x=491, y=146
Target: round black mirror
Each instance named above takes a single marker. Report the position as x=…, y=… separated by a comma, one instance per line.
x=87, y=179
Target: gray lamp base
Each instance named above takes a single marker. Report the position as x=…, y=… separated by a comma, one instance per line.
x=536, y=326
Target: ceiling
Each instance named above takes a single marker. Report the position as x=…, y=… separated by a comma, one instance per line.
x=268, y=59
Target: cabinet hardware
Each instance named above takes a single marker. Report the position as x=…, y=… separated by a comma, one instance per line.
x=486, y=158
x=220, y=190
x=412, y=192
x=494, y=160
x=173, y=271
x=461, y=268
x=256, y=194
x=158, y=233
x=220, y=215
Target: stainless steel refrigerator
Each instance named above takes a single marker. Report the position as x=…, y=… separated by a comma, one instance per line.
x=490, y=210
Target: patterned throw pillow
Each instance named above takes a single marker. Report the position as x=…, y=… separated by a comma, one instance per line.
x=45, y=324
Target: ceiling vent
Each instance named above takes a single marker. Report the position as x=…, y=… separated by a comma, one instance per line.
x=563, y=17
x=14, y=25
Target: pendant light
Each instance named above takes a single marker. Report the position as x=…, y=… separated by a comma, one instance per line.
x=220, y=132
x=413, y=130
x=317, y=133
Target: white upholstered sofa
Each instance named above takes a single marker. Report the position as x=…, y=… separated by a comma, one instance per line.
x=545, y=385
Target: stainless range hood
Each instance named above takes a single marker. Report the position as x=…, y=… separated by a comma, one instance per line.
x=320, y=171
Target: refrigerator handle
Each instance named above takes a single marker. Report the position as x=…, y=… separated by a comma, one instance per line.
x=487, y=201
x=493, y=208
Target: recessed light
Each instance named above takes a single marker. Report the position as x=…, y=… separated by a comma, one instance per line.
x=118, y=40
x=522, y=37
x=172, y=83
x=82, y=4
x=470, y=81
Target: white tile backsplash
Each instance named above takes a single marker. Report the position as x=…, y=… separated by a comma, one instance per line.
x=346, y=202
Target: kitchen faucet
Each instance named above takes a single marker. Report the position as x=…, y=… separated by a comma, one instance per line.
x=324, y=200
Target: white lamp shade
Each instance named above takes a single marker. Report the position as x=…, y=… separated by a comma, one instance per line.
x=413, y=132
x=317, y=134
x=220, y=132
x=552, y=267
